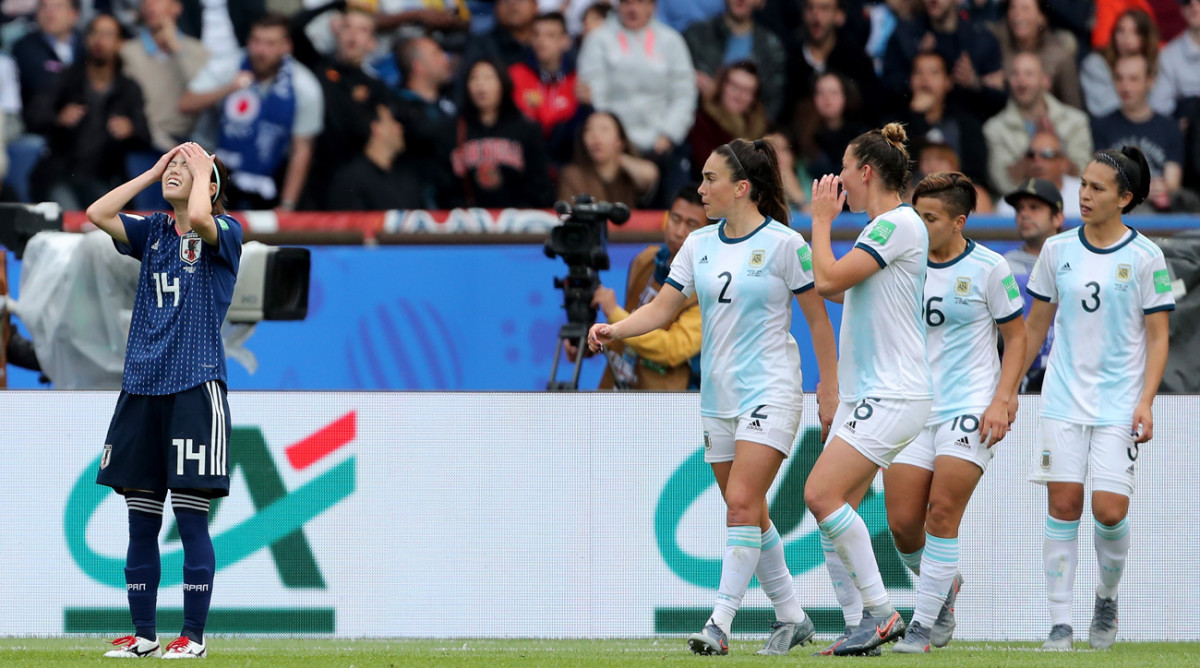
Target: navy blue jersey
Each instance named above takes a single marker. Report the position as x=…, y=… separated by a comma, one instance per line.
x=183, y=293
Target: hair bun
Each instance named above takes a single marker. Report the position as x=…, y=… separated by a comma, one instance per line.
x=895, y=134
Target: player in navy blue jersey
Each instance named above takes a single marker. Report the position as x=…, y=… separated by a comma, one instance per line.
x=170, y=428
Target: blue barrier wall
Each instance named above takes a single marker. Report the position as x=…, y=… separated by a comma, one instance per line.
x=430, y=318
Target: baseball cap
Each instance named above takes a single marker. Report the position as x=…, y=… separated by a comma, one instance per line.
x=1038, y=189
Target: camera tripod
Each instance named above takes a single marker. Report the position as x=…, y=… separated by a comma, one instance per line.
x=576, y=333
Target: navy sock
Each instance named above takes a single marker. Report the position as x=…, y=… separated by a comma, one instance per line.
x=199, y=561
x=142, y=568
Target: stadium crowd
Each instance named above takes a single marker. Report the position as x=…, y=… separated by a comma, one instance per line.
x=382, y=104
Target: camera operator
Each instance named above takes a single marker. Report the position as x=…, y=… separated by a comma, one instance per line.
x=667, y=358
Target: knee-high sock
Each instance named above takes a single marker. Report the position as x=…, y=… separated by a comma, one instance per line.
x=743, y=546
x=843, y=587
x=939, y=564
x=912, y=560
x=1060, y=554
x=852, y=541
x=776, y=579
x=142, y=568
x=1112, y=545
x=199, y=561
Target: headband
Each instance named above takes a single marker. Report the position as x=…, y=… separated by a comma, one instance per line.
x=1121, y=175
x=737, y=162
x=216, y=177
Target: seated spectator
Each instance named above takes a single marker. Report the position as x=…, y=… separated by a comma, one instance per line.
x=594, y=17
x=351, y=92
x=498, y=158
x=507, y=41
x=50, y=49
x=271, y=111
x=683, y=14
x=605, y=166
x=162, y=59
x=734, y=37
x=1179, y=70
x=381, y=177
x=1027, y=28
x=820, y=47
x=732, y=111
x=971, y=51
x=933, y=157
x=10, y=98
x=1137, y=124
x=1133, y=33
x=937, y=114
x=1046, y=160
x=640, y=70
x=544, y=86
x=425, y=114
x=1032, y=108
x=827, y=124
x=791, y=171
x=92, y=117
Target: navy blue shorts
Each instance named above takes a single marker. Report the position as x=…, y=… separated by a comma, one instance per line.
x=173, y=441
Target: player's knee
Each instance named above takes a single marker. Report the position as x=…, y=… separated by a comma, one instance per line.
x=1109, y=515
x=1069, y=509
x=906, y=529
x=944, y=515
x=819, y=500
x=744, y=507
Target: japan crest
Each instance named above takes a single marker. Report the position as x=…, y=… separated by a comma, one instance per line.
x=189, y=249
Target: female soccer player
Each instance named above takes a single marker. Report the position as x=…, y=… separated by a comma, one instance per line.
x=1108, y=291
x=886, y=388
x=171, y=424
x=970, y=293
x=745, y=271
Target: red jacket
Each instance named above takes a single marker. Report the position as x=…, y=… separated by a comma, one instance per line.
x=547, y=100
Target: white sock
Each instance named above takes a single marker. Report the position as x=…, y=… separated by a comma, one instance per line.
x=1112, y=545
x=938, y=567
x=743, y=545
x=1060, y=554
x=852, y=541
x=912, y=560
x=776, y=579
x=847, y=594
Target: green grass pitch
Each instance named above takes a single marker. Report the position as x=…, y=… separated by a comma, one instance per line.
x=504, y=653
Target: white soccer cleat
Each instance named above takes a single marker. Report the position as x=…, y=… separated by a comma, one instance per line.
x=183, y=648
x=133, y=647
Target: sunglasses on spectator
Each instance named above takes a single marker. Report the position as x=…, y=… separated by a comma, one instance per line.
x=1045, y=154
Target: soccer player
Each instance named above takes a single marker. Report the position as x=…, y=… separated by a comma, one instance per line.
x=745, y=271
x=886, y=387
x=170, y=428
x=970, y=293
x=1108, y=291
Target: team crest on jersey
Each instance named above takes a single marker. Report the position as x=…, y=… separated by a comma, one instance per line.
x=189, y=248
x=106, y=456
x=757, y=258
x=1124, y=272
x=962, y=286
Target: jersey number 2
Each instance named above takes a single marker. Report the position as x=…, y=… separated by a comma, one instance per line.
x=721, y=298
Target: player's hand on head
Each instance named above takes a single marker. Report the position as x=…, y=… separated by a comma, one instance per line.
x=198, y=162
x=160, y=167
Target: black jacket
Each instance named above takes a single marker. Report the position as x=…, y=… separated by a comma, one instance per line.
x=499, y=167
x=38, y=64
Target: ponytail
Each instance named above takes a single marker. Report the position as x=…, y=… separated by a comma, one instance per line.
x=757, y=163
x=1133, y=173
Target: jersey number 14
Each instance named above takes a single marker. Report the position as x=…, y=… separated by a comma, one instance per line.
x=161, y=285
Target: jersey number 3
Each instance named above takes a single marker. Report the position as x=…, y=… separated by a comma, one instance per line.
x=161, y=285
x=1092, y=303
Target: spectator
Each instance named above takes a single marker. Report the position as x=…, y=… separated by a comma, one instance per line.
x=682, y=14
x=1133, y=33
x=933, y=157
x=792, y=172
x=92, y=116
x=1046, y=160
x=381, y=177
x=224, y=26
x=732, y=111
x=507, y=41
x=10, y=98
x=427, y=117
x=1027, y=28
x=594, y=17
x=446, y=21
x=1137, y=124
x=640, y=69
x=271, y=110
x=605, y=166
x=572, y=10
x=544, y=86
x=1039, y=213
x=1179, y=70
x=498, y=159
x=821, y=48
x=935, y=114
x=826, y=125
x=162, y=60
x=733, y=37
x=50, y=49
x=972, y=52
x=352, y=94
x=1032, y=108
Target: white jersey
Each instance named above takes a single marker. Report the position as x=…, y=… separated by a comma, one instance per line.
x=745, y=287
x=965, y=299
x=882, y=339
x=1098, y=362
